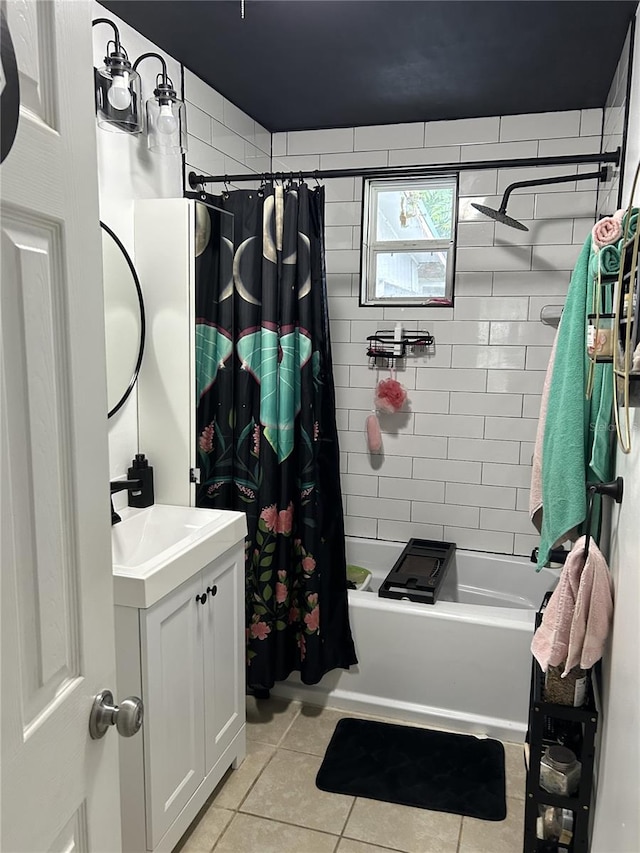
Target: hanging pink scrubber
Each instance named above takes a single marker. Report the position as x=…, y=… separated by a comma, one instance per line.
x=390, y=396
x=374, y=436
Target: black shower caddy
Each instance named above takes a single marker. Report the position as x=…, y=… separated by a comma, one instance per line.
x=550, y=723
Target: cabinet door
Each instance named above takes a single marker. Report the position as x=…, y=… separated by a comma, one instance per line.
x=173, y=694
x=224, y=672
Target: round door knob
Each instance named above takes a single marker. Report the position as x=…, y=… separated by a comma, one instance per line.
x=202, y=598
x=126, y=717
x=212, y=590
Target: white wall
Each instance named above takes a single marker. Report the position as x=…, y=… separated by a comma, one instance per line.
x=222, y=139
x=127, y=170
x=617, y=821
x=458, y=466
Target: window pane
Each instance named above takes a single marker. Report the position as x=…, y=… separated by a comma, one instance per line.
x=415, y=214
x=413, y=275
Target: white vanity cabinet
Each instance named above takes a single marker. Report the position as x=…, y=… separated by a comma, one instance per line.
x=184, y=656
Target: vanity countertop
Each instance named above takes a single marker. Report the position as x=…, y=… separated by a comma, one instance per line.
x=156, y=549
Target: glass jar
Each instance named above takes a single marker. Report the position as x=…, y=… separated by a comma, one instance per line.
x=570, y=690
x=559, y=771
x=555, y=824
x=600, y=336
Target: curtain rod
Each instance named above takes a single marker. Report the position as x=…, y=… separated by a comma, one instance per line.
x=196, y=180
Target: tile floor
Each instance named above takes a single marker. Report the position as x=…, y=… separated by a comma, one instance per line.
x=271, y=805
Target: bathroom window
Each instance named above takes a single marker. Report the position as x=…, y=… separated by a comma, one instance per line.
x=408, y=241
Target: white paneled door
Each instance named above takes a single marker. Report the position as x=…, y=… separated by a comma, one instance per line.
x=59, y=788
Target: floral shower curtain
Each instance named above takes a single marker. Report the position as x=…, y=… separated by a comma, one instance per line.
x=266, y=427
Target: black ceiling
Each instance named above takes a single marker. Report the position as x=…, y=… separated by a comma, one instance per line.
x=302, y=64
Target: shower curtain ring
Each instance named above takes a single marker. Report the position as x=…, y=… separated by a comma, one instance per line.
x=315, y=177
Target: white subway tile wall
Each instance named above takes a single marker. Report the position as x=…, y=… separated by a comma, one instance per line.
x=222, y=139
x=613, y=130
x=457, y=464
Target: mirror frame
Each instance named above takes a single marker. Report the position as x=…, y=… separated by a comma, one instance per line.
x=136, y=370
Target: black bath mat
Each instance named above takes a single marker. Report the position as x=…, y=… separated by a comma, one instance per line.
x=416, y=767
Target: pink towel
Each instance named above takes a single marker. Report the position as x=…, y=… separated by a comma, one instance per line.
x=593, y=611
x=606, y=231
x=550, y=642
x=576, y=620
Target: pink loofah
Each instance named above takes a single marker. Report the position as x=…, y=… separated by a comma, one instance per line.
x=374, y=436
x=390, y=396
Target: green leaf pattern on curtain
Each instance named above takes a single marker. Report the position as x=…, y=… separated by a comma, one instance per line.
x=276, y=361
x=213, y=348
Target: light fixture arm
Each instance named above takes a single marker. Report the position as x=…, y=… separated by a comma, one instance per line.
x=118, y=46
x=165, y=76
x=601, y=175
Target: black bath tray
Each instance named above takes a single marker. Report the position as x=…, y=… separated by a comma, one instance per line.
x=419, y=571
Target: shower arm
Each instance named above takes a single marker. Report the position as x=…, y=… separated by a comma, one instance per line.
x=601, y=175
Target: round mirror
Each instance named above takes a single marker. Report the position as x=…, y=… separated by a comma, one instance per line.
x=124, y=320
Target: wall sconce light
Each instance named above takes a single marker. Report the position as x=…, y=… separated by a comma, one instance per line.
x=166, y=116
x=118, y=92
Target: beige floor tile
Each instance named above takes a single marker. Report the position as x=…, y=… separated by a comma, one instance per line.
x=233, y=788
x=286, y=790
x=514, y=766
x=207, y=831
x=314, y=726
x=348, y=845
x=312, y=729
x=248, y=834
x=403, y=828
x=488, y=836
x=269, y=719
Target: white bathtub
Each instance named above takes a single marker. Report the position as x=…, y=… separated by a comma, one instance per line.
x=462, y=664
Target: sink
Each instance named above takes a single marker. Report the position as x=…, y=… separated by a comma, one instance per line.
x=156, y=549
x=146, y=535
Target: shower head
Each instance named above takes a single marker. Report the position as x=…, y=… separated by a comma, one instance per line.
x=499, y=216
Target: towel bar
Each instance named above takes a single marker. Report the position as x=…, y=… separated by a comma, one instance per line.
x=614, y=490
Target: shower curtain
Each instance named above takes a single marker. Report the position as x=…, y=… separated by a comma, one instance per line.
x=267, y=438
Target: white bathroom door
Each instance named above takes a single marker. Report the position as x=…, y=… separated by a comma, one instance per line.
x=60, y=789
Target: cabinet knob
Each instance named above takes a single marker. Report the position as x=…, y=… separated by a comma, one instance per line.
x=202, y=598
x=212, y=590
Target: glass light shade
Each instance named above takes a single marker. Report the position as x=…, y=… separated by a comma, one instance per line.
x=166, y=125
x=118, y=98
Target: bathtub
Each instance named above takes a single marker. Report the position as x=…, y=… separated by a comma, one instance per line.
x=462, y=664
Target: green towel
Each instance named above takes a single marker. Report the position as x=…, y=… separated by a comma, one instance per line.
x=633, y=223
x=577, y=438
x=609, y=259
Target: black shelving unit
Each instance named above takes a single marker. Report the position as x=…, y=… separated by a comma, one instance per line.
x=576, y=728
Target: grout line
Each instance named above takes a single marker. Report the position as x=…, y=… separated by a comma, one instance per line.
x=253, y=784
x=289, y=727
x=281, y=821
x=353, y=805
x=224, y=831
x=460, y=836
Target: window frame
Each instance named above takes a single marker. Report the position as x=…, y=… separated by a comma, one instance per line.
x=369, y=251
